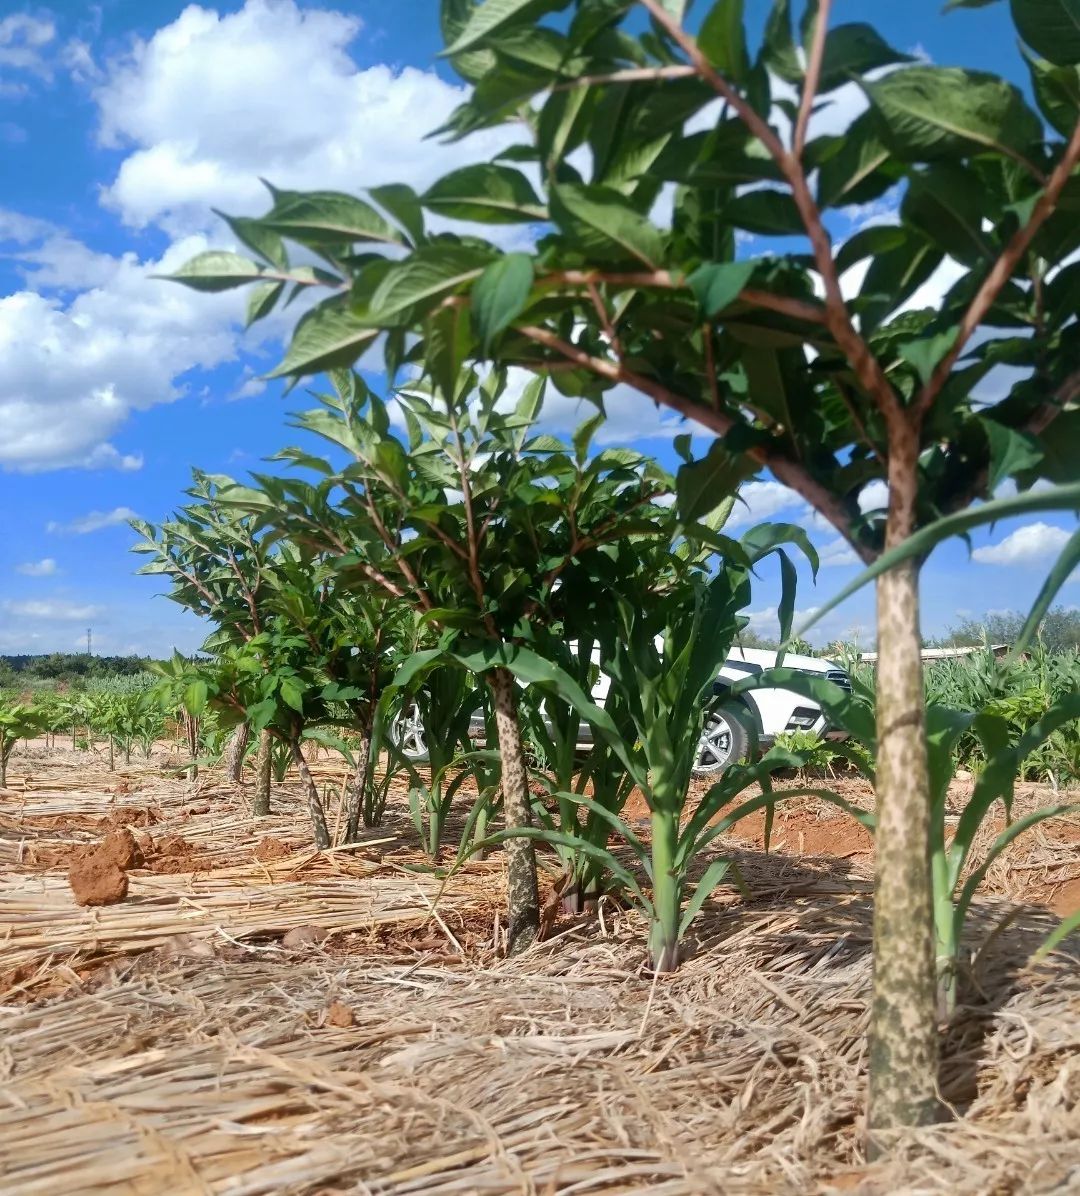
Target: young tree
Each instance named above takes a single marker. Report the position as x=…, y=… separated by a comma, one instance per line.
x=472, y=523
x=796, y=365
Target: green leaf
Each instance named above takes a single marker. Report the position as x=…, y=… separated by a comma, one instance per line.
x=702, y=485
x=402, y=203
x=932, y=112
x=860, y=166
x=449, y=339
x=426, y=275
x=328, y=217
x=195, y=696
x=327, y=336
x=722, y=40
x=771, y=213
x=216, y=270
x=945, y=203
x=255, y=235
x=454, y=16
x=710, y=878
x=1068, y=926
x=1050, y=27
x=717, y=284
x=292, y=694
x=1011, y=452
x=262, y=299
x=486, y=18
x=854, y=49
x=925, y=353
x=500, y=294
x=600, y=222
x=778, y=51
x=869, y=242
x=488, y=193
x=1057, y=91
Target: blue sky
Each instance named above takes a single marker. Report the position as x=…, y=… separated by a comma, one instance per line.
x=121, y=125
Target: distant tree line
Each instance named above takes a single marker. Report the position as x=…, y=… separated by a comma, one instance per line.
x=69, y=666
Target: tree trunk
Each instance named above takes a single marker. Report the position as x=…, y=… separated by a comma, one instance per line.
x=112, y=755
x=315, y=806
x=262, y=776
x=3, y=770
x=523, y=895
x=236, y=751
x=903, y=1017
x=359, y=784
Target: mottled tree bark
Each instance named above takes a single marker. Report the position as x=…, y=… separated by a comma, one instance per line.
x=262, y=776
x=236, y=751
x=903, y=1018
x=523, y=894
x=311, y=790
x=359, y=785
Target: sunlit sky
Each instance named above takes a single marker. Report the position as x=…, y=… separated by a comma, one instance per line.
x=122, y=124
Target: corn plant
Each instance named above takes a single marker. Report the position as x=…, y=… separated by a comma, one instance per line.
x=443, y=704
x=1004, y=753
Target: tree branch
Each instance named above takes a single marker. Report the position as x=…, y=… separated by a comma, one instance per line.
x=1002, y=271
x=866, y=366
x=813, y=76
x=644, y=74
x=787, y=471
x=813, y=313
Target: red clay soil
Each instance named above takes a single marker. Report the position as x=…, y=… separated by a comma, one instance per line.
x=800, y=832
x=98, y=873
x=174, y=855
x=130, y=816
x=270, y=849
x=1064, y=899
x=96, y=881
x=338, y=1015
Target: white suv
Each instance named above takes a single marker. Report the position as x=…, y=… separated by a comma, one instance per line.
x=734, y=726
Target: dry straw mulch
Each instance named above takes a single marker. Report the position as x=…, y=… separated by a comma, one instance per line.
x=203, y=1056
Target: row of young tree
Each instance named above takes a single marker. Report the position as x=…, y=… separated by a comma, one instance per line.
x=793, y=361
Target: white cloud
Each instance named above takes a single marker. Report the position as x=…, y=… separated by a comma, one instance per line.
x=874, y=496
x=24, y=40
x=1026, y=546
x=213, y=101
x=761, y=500
x=71, y=372
x=836, y=553
x=93, y=521
x=51, y=609
x=43, y=568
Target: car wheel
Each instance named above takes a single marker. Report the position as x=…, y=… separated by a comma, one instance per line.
x=724, y=741
x=407, y=733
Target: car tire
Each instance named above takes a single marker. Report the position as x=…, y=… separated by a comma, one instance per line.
x=407, y=734
x=725, y=740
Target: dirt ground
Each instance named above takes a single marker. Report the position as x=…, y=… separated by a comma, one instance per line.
x=254, y=1016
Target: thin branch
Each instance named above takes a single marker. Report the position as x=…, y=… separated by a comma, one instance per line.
x=710, y=365
x=813, y=76
x=1002, y=271
x=643, y=74
x=787, y=471
x=605, y=320
x=813, y=313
